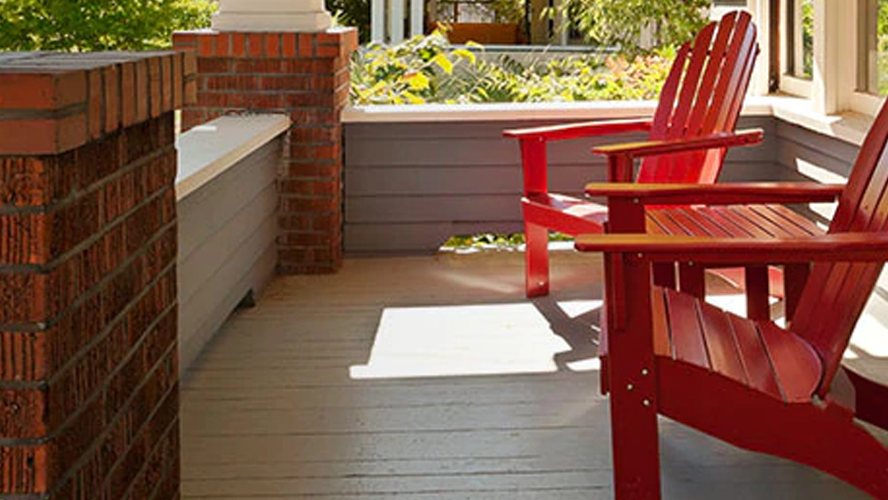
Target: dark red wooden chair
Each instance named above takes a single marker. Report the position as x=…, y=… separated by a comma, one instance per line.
x=702, y=96
x=751, y=383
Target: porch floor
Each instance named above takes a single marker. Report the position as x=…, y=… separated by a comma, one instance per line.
x=432, y=378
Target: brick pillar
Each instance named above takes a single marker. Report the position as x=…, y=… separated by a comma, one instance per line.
x=303, y=75
x=88, y=360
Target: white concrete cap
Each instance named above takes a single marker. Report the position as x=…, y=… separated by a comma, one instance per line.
x=272, y=15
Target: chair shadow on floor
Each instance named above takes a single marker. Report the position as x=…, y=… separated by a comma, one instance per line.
x=581, y=333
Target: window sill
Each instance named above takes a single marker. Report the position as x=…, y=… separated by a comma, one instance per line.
x=848, y=126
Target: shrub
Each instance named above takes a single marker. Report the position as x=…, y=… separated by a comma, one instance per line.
x=355, y=13
x=88, y=25
x=636, y=26
x=429, y=70
x=416, y=71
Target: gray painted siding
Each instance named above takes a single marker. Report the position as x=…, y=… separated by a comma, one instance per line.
x=807, y=155
x=409, y=186
x=227, y=232
x=796, y=143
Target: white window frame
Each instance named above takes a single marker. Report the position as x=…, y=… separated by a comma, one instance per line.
x=790, y=83
x=833, y=88
x=856, y=99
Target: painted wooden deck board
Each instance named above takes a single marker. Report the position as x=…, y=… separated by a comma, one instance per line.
x=432, y=378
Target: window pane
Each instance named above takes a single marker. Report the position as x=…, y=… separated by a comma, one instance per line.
x=807, y=7
x=800, y=31
x=873, y=76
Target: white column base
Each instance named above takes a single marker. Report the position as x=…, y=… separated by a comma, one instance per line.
x=272, y=15
x=248, y=21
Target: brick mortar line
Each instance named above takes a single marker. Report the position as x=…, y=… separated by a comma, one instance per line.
x=78, y=464
x=314, y=144
x=136, y=433
x=41, y=327
x=83, y=245
x=76, y=194
x=312, y=161
x=22, y=442
x=113, y=323
x=307, y=178
x=167, y=472
x=317, y=196
x=153, y=451
x=102, y=335
x=44, y=114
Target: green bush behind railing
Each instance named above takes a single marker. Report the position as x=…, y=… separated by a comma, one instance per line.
x=427, y=69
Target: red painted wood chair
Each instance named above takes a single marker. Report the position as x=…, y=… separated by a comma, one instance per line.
x=751, y=383
x=702, y=96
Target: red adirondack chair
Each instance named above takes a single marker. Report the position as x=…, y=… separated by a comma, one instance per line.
x=702, y=96
x=748, y=382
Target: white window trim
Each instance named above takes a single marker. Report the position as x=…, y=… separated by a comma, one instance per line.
x=796, y=86
x=854, y=99
x=833, y=88
x=791, y=83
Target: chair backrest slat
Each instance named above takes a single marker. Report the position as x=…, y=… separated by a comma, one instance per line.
x=715, y=56
x=703, y=55
x=835, y=294
x=728, y=111
x=703, y=94
x=720, y=113
x=670, y=89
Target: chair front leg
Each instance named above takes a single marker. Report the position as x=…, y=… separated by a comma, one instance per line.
x=632, y=380
x=536, y=260
x=794, y=278
x=692, y=280
x=664, y=275
x=756, y=284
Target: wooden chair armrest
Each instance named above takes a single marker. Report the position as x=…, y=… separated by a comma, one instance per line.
x=668, y=146
x=579, y=130
x=717, y=194
x=839, y=247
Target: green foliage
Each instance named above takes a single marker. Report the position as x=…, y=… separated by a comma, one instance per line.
x=88, y=25
x=499, y=241
x=637, y=26
x=807, y=38
x=882, y=47
x=412, y=72
x=429, y=70
x=498, y=11
x=355, y=13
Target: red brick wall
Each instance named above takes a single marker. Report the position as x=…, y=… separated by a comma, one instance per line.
x=302, y=75
x=88, y=324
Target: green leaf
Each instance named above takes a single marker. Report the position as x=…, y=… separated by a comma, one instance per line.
x=417, y=81
x=444, y=63
x=413, y=98
x=465, y=54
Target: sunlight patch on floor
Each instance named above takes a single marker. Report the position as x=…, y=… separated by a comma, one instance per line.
x=735, y=303
x=871, y=333
x=492, y=339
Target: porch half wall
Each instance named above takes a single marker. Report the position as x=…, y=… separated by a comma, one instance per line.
x=410, y=186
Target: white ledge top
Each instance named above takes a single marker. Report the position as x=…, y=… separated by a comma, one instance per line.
x=207, y=150
x=582, y=110
x=848, y=126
